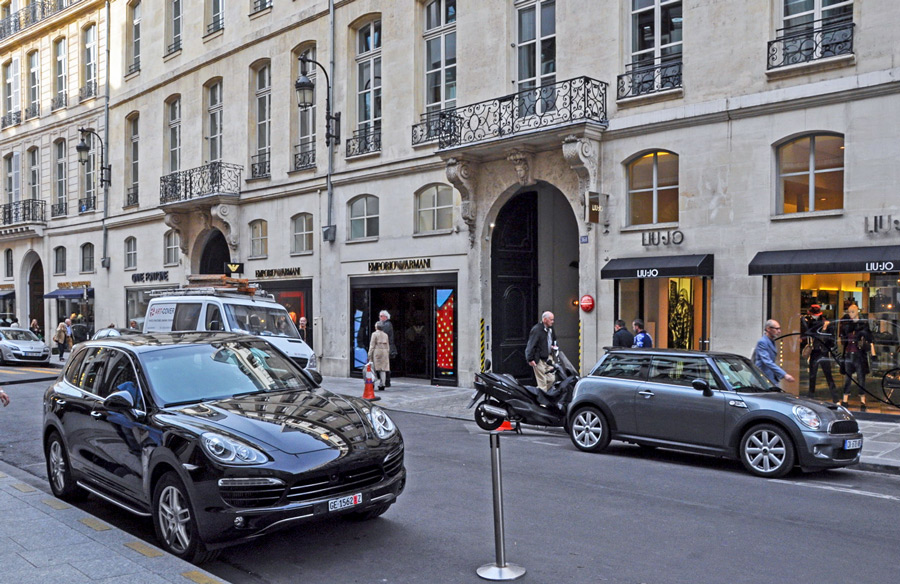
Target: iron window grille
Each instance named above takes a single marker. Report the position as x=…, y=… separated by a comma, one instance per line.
x=58, y=102
x=260, y=5
x=808, y=42
x=11, y=119
x=131, y=196
x=305, y=154
x=30, y=15
x=135, y=66
x=428, y=130
x=87, y=204
x=33, y=111
x=173, y=48
x=59, y=209
x=27, y=211
x=643, y=79
x=217, y=24
x=259, y=168
x=364, y=141
x=87, y=91
x=213, y=178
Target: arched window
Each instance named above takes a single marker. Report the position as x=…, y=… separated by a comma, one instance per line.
x=171, y=241
x=87, y=257
x=130, y=253
x=259, y=238
x=59, y=261
x=9, y=263
x=302, y=230
x=653, y=188
x=364, y=217
x=434, y=209
x=811, y=174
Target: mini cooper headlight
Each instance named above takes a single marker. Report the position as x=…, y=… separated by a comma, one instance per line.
x=383, y=424
x=230, y=451
x=807, y=417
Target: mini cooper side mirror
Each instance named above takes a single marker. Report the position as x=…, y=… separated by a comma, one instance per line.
x=701, y=385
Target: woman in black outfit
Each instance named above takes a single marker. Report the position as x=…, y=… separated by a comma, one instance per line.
x=858, y=342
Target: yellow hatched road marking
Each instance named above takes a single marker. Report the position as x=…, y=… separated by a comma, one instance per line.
x=11, y=371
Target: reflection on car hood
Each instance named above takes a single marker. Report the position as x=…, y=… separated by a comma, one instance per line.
x=26, y=345
x=826, y=410
x=295, y=422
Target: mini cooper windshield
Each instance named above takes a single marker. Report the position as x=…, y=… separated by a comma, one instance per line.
x=185, y=375
x=743, y=376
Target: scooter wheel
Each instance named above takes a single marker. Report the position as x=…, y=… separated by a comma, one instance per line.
x=485, y=420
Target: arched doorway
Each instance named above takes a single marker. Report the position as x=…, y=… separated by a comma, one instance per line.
x=215, y=254
x=534, y=267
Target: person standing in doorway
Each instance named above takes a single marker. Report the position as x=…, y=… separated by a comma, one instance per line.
x=379, y=354
x=642, y=339
x=385, y=318
x=621, y=336
x=541, y=344
x=765, y=354
x=301, y=328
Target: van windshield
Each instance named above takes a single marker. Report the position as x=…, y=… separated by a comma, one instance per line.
x=258, y=319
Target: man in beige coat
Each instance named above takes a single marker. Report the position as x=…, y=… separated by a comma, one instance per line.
x=380, y=354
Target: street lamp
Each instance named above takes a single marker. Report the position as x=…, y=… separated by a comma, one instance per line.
x=305, y=89
x=84, y=151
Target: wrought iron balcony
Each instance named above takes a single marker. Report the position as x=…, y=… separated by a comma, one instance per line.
x=87, y=91
x=259, y=167
x=131, y=196
x=259, y=5
x=135, y=66
x=428, y=130
x=644, y=79
x=33, y=111
x=27, y=211
x=59, y=209
x=58, y=102
x=174, y=47
x=217, y=24
x=810, y=42
x=305, y=154
x=11, y=119
x=581, y=99
x=87, y=204
x=364, y=141
x=215, y=178
x=31, y=14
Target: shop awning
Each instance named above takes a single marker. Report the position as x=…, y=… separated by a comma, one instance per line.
x=838, y=260
x=7, y=294
x=658, y=267
x=70, y=293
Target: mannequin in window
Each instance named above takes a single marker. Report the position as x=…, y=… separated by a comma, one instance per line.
x=817, y=340
x=858, y=343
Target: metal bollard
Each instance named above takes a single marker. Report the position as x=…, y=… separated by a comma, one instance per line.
x=499, y=570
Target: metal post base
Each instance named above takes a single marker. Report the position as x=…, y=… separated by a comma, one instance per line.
x=495, y=572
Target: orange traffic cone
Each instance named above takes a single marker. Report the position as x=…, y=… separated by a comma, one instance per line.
x=369, y=390
x=505, y=426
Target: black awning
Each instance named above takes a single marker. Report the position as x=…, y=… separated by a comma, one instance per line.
x=70, y=293
x=838, y=260
x=658, y=267
x=7, y=293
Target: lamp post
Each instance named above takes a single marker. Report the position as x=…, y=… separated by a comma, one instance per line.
x=305, y=89
x=84, y=151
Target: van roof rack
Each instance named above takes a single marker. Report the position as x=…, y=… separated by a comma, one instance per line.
x=213, y=285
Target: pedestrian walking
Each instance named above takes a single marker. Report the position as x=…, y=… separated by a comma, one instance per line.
x=62, y=337
x=541, y=344
x=642, y=338
x=621, y=336
x=379, y=354
x=385, y=317
x=765, y=354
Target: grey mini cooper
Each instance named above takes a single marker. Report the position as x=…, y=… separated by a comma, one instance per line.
x=711, y=403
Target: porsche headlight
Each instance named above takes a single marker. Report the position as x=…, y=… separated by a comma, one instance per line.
x=382, y=423
x=230, y=451
x=807, y=417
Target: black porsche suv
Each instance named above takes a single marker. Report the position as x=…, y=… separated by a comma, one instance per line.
x=218, y=437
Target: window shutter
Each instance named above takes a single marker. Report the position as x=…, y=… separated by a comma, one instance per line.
x=16, y=176
x=16, y=86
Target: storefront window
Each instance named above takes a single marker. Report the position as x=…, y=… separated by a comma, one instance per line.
x=672, y=309
x=874, y=299
x=296, y=297
x=136, y=301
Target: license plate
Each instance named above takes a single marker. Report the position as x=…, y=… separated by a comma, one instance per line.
x=853, y=444
x=32, y=354
x=344, y=502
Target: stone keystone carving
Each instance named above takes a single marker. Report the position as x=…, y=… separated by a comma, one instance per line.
x=524, y=164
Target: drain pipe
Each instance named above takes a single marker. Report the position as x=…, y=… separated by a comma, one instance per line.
x=105, y=166
x=331, y=227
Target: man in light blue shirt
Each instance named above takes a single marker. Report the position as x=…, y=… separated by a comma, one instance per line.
x=765, y=354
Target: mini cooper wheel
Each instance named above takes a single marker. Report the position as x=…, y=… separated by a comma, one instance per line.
x=589, y=430
x=767, y=451
x=59, y=472
x=173, y=520
x=485, y=420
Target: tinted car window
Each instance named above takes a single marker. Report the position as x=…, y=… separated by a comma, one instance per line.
x=187, y=315
x=623, y=366
x=680, y=371
x=120, y=376
x=742, y=375
x=90, y=375
x=74, y=366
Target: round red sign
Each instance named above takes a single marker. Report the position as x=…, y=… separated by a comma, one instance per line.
x=587, y=303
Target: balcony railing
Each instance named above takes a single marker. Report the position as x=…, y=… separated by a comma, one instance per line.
x=428, y=130
x=11, y=119
x=215, y=178
x=642, y=79
x=58, y=102
x=33, y=111
x=87, y=91
x=174, y=47
x=364, y=141
x=31, y=14
x=218, y=23
x=28, y=211
x=87, y=204
x=810, y=42
x=305, y=154
x=258, y=5
x=576, y=100
x=135, y=66
x=259, y=167
x=59, y=209
x=131, y=196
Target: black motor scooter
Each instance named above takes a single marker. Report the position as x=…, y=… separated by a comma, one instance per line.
x=503, y=398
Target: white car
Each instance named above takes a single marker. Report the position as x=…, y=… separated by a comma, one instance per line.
x=22, y=346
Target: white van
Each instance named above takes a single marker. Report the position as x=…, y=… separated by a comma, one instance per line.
x=210, y=309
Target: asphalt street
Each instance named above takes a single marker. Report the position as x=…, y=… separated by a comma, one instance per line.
x=628, y=515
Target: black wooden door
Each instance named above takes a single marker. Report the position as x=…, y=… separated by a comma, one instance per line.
x=514, y=284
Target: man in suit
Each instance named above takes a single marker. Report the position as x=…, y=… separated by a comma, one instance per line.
x=765, y=354
x=622, y=338
x=541, y=341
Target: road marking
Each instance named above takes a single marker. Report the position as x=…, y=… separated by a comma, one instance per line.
x=39, y=370
x=144, y=549
x=200, y=577
x=11, y=372
x=840, y=490
x=95, y=524
x=55, y=504
x=24, y=488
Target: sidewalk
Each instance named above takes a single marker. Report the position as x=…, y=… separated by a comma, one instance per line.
x=881, y=439
x=43, y=539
